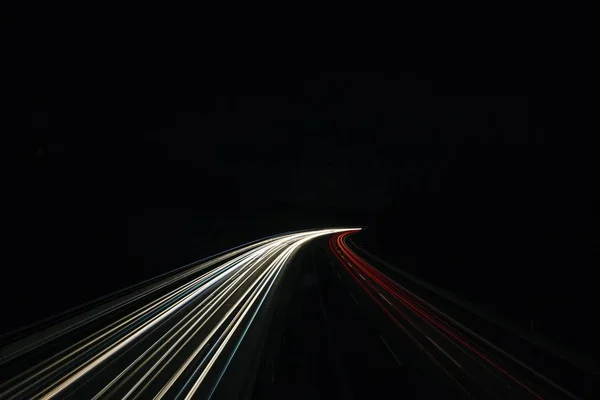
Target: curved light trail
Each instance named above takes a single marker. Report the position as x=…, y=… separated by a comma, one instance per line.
x=477, y=366
x=173, y=340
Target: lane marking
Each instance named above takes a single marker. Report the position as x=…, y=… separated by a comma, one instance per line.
x=385, y=298
x=442, y=350
x=390, y=350
x=338, y=274
x=354, y=298
x=363, y=278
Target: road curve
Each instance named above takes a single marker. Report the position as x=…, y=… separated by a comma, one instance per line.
x=174, y=340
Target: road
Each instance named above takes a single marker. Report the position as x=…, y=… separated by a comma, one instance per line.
x=279, y=318
x=471, y=363
x=326, y=341
x=187, y=337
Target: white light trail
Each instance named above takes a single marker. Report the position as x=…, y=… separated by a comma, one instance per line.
x=213, y=303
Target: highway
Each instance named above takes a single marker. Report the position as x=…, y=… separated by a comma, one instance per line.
x=180, y=338
x=471, y=363
x=326, y=341
x=295, y=316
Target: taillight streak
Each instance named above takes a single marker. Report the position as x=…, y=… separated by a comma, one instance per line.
x=398, y=323
x=383, y=280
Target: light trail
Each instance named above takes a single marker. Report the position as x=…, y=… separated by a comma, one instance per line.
x=171, y=339
x=486, y=365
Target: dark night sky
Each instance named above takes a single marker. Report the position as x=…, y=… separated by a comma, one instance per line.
x=138, y=159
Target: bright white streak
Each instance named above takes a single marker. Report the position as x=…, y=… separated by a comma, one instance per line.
x=227, y=277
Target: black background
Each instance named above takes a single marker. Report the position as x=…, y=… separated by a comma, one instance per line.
x=146, y=146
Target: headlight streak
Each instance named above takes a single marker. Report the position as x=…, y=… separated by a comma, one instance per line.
x=219, y=300
x=205, y=341
x=216, y=308
x=78, y=347
x=218, y=380
x=136, y=334
x=169, y=337
x=276, y=268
